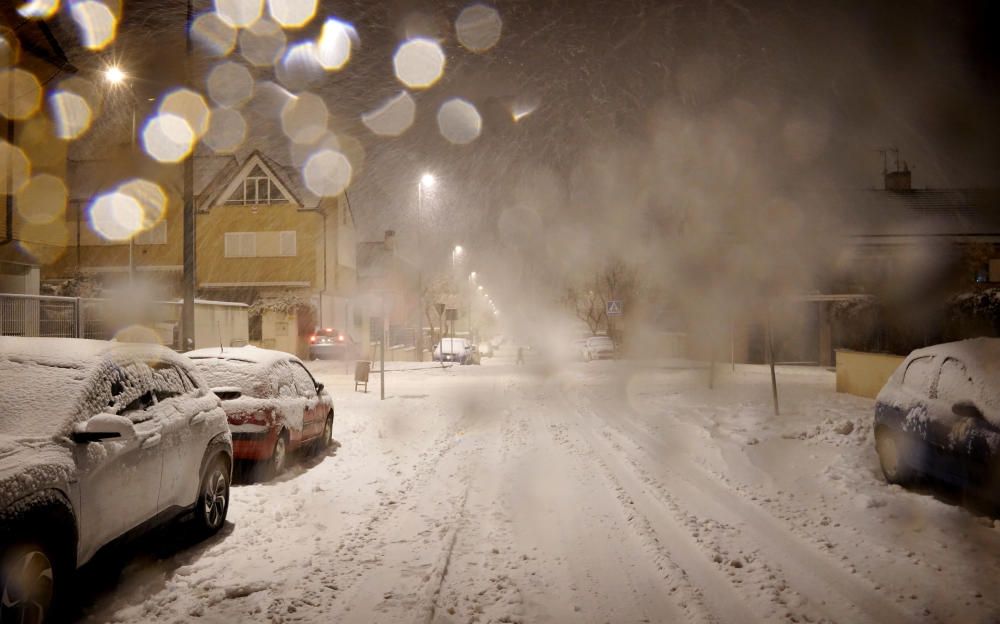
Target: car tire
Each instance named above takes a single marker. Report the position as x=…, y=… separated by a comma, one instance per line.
x=326, y=438
x=279, y=456
x=890, y=447
x=34, y=569
x=213, y=497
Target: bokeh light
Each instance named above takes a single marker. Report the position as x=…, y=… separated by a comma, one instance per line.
x=216, y=36
x=292, y=13
x=168, y=138
x=138, y=334
x=239, y=13
x=333, y=48
x=38, y=9
x=478, y=27
x=20, y=94
x=263, y=43
x=190, y=107
x=459, y=121
x=327, y=173
x=15, y=168
x=116, y=216
x=71, y=114
x=42, y=200
x=230, y=84
x=227, y=131
x=9, y=47
x=419, y=63
x=150, y=197
x=393, y=117
x=300, y=67
x=96, y=22
x=304, y=118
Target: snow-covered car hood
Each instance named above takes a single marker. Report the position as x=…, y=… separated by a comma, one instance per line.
x=28, y=465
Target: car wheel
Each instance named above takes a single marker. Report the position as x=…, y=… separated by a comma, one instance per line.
x=213, y=499
x=327, y=438
x=279, y=455
x=30, y=577
x=891, y=448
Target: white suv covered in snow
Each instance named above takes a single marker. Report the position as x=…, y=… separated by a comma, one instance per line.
x=98, y=440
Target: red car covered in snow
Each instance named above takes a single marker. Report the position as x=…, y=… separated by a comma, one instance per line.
x=273, y=403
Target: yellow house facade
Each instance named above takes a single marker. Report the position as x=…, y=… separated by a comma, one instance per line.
x=262, y=239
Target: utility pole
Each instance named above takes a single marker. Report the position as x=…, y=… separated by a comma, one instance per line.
x=190, y=239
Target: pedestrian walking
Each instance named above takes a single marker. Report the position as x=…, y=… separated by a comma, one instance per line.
x=520, y=355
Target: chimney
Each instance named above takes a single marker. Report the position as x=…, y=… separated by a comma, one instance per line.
x=898, y=180
x=390, y=240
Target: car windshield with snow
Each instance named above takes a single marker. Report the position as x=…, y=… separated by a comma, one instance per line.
x=98, y=441
x=273, y=403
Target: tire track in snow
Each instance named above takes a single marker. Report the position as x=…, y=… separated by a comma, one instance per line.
x=811, y=569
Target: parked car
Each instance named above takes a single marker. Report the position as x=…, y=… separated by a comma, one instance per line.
x=939, y=415
x=578, y=349
x=330, y=344
x=453, y=350
x=273, y=403
x=599, y=348
x=473, y=357
x=98, y=442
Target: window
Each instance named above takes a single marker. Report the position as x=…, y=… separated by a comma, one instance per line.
x=168, y=382
x=304, y=383
x=241, y=244
x=156, y=235
x=919, y=376
x=955, y=383
x=257, y=188
x=286, y=243
x=261, y=244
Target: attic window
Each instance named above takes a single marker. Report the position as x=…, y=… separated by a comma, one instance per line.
x=257, y=188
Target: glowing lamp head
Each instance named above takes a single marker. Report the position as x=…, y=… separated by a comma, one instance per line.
x=427, y=180
x=114, y=75
x=458, y=250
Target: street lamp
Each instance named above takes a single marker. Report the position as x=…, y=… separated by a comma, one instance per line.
x=116, y=77
x=426, y=181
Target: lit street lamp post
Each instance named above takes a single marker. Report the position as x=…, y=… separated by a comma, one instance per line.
x=115, y=77
x=428, y=181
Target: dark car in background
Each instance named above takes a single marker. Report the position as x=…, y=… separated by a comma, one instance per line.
x=939, y=416
x=331, y=344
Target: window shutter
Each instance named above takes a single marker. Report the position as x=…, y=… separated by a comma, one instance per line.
x=248, y=245
x=287, y=246
x=231, y=245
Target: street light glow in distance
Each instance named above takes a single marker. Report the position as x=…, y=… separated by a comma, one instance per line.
x=427, y=180
x=458, y=250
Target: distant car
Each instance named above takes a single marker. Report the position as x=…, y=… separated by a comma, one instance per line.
x=578, y=349
x=273, y=404
x=599, y=348
x=453, y=350
x=473, y=357
x=330, y=344
x=98, y=442
x=939, y=415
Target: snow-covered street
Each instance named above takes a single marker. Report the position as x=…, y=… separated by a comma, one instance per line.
x=590, y=492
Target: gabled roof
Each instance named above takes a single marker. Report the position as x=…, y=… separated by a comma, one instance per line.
x=225, y=181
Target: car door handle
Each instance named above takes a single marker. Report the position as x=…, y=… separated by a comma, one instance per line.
x=151, y=441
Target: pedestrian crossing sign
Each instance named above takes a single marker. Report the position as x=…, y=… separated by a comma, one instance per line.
x=614, y=307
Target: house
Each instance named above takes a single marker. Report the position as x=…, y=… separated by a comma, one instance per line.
x=262, y=239
x=32, y=158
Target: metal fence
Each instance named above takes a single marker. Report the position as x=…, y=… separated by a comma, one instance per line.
x=61, y=317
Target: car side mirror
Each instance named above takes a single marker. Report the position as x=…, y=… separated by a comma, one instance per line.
x=103, y=427
x=966, y=409
x=227, y=393
x=319, y=386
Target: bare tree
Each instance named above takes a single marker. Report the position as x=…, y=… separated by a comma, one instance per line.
x=589, y=300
